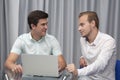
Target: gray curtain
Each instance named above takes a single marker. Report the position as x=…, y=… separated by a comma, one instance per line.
x=63, y=23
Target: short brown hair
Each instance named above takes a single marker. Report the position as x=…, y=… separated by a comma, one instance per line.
x=35, y=15
x=91, y=16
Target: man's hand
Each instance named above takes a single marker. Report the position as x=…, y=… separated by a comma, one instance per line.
x=82, y=62
x=17, y=69
x=11, y=65
x=61, y=63
x=72, y=68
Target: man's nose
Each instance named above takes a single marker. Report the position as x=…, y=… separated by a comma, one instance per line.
x=79, y=28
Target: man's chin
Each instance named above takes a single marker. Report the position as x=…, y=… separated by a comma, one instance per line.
x=83, y=36
x=44, y=34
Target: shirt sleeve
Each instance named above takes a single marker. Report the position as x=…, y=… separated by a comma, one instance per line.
x=107, y=51
x=17, y=46
x=56, y=50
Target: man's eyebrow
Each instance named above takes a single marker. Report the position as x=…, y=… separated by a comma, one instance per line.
x=81, y=24
x=44, y=23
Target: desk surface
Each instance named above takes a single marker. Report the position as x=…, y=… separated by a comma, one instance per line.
x=39, y=78
x=65, y=74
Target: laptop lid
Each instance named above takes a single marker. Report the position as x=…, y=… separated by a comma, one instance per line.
x=40, y=65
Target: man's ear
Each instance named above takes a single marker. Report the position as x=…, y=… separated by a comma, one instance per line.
x=32, y=26
x=93, y=23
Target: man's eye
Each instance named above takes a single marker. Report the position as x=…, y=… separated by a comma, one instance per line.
x=81, y=24
x=43, y=24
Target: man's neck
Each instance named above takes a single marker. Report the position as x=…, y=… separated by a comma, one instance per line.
x=35, y=37
x=92, y=36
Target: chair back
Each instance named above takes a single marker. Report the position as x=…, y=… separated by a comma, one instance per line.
x=117, y=70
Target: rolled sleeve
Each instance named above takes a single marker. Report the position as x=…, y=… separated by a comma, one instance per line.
x=56, y=50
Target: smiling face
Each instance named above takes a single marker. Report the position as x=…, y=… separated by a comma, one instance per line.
x=85, y=27
x=40, y=29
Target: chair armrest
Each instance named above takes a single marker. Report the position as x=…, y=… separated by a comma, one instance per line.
x=9, y=75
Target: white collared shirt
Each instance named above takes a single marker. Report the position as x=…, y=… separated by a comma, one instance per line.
x=100, y=57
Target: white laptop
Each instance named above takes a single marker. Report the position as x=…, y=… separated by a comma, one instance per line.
x=40, y=65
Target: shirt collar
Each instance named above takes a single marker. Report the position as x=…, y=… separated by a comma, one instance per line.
x=30, y=36
x=94, y=43
x=97, y=38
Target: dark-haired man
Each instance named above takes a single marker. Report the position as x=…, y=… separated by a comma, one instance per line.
x=37, y=41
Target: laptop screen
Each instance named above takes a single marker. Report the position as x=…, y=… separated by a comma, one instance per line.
x=41, y=65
